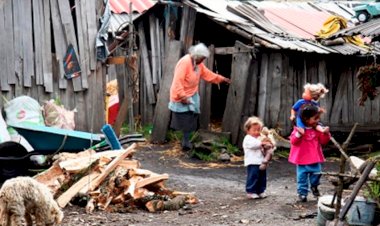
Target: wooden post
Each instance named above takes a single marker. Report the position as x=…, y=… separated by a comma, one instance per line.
x=162, y=113
x=205, y=94
x=342, y=168
x=356, y=189
x=236, y=93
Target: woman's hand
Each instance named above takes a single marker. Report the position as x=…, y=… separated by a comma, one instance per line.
x=185, y=100
x=227, y=80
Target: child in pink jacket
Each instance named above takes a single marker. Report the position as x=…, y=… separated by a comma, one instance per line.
x=306, y=152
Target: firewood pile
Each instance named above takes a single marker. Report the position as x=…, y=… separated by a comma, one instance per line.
x=110, y=181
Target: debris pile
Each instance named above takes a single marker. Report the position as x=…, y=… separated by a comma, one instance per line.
x=110, y=181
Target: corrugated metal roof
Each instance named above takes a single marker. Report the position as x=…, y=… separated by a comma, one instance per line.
x=369, y=29
x=298, y=21
x=282, y=25
x=122, y=6
x=120, y=12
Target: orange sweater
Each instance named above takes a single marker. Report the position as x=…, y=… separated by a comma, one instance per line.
x=186, y=81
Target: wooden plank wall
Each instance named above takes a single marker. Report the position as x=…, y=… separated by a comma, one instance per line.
x=281, y=83
x=32, y=65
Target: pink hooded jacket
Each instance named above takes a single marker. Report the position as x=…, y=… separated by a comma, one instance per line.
x=307, y=149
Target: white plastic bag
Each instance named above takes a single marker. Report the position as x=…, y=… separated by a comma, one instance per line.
x=23, y=109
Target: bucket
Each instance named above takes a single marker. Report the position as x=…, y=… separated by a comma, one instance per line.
x=362, y=212
x=325, y=212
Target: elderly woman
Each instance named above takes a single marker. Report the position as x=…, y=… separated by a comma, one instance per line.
x=184, y=98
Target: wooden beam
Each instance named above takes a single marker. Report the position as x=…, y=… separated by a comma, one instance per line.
x=162, y=113
x=110, y=167
x=236, y=93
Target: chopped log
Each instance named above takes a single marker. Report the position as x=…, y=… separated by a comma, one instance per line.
x=60, y=157
x=90, y=206
x=190, y=196
x=73, y=190
x=54, y=177
x=123, y=154
x=160, y=205
x=76, y=163
x=131, y=189
x=141, y=172
x=104, y=206
x=118, y=199
x=140, y=193
x=130, y=164
x=151, y=180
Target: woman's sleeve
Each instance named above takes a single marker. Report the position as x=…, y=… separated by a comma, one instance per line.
x=210, y=76
x=179, y=80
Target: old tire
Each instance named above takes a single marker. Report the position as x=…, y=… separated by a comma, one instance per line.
x=363, y=16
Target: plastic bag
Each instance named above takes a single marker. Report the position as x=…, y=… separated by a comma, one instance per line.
x=23, y=109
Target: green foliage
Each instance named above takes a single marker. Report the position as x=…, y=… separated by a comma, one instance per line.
x=282, y=152
x=146, y=130
x=124, y=129
x=231, y=149
x=174, y=136
x=372, y=191
x=202, y=156
x=217, y=147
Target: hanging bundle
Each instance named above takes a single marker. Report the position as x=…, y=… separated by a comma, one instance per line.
x=368, y=79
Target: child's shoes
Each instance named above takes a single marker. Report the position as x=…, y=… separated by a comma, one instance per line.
x=253, y=196
x=315, y=191
x=263, y=195
x=302, y=198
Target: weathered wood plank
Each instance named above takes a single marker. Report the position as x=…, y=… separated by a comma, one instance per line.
x=322, y=78
x=85, y=52
x=145, y=62
x=205, y=94
x=161, y=117
x=59, y=42
x=27, y=34
x=187, y=26
x=39, y=39
x=92, y=31
x=250, y=102
x=285, y=106
x=262, y=87
x=159, y=41
x=69, y=33
x=336, y=111
x=3, y=60
x=9, y=47
x=240, y=68
x=17, y=40
x=274, y=103
x=154, y=49
x=47, y=65
x=347, y=75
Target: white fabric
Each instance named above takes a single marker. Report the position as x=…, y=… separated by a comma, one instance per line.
x=4, y=135
x=252, y=151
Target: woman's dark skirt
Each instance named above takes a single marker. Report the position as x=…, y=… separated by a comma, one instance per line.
x=184, y=121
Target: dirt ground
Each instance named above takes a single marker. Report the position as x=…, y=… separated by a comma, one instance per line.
x=220, y=187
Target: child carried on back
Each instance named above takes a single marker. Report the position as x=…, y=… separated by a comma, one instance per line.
x=311, y=95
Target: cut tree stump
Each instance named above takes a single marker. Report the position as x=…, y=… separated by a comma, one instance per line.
x=159, y=205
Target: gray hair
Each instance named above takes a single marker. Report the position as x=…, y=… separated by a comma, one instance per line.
x=199, y=50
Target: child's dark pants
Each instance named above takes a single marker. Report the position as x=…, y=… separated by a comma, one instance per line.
x=256, y=179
